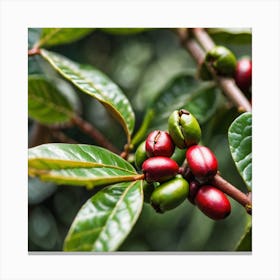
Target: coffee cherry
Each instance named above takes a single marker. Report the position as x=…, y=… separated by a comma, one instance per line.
x=194, y=187
x=202, y=162
x=184, y=128
x=140, y=155
x=213, y=202
x=159, y=169
x=148, y=189
x=243, y=74
x=170, y=194
x=159, y=143
x=222, y=60
x=203, y=72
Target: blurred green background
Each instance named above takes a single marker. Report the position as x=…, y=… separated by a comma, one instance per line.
x=141, y=64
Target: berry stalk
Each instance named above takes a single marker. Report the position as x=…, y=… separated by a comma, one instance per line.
x=233, y=192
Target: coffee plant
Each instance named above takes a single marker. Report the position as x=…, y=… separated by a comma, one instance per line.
x=139, y=139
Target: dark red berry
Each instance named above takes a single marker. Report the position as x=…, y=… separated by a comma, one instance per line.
x=212, y=202
x=159, y=169
x=194, y=187
x=159, y=143
x=202, y=162
x=243, y=74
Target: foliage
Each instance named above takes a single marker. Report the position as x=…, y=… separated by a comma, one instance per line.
x=125, y=82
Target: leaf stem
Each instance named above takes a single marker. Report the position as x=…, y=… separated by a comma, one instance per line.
x=94, y=133
x=227, y=85
x=243, y=199
x=34, y=51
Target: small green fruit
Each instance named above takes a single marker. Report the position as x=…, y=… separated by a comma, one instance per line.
x=140, y=155
x=184, y=128
x=148, y=189
x=170, y=194
x=222, y=60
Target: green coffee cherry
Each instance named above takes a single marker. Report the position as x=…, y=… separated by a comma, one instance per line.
x=203, y=73
x=222, y=60
x=184, y=128
x=170, y=194
x=148, y=189
x=140, y=155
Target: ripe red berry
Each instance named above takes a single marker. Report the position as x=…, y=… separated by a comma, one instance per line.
x=202, y=162
x=159, y=143
x=159, y=169
x=243, y=74
x=213, y=202
x=194, y=187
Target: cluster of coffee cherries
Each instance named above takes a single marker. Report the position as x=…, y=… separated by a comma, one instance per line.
x=166, y=184
x=225, y=63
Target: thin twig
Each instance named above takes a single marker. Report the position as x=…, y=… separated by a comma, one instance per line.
x=228, y=85
x=94, y=133
x=233, y=192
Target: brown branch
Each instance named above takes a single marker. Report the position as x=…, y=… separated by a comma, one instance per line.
x=40, y=134
x=94, y=133
x=228, y=85
x=62, y=137
x=233, y=192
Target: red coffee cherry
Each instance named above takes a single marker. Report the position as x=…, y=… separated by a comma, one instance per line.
x=159, y=169
x=243, y=74
x=194, y=187
x=202, y=162
x=159, y=143
x=213, y=202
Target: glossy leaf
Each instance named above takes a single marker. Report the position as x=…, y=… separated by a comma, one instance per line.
x=47, y=103
x=78, y=164
x=231, y=35
x=188, y=93
x=105, y=220
x=240, y=142
x=124, y=31
x=96, y=84
x=57, y=36
x=245, y=242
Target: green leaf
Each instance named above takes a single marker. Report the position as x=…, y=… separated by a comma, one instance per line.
x=245, y=242
x=57, y=36
x=231, y=35
x=240, y=143
x=96, y=84
x=124, y=31
x=49, y=102
x=188, y=93
x=106, y=219
x=78, y=164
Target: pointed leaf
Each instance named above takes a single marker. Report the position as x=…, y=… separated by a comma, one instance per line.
x=57, y=36
x=78, y=164
x=48, y=103
x=96, y=84
x=188, y=93
x=240, y=143
x=106, y=219
x=245, y=242
x=231, y=35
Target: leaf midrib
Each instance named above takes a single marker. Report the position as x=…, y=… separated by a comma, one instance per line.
x=99, y=91
x=52, y=105
x=86, y=164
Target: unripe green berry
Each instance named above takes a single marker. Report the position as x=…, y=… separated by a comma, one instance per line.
x=184, y=128
x=222, y=60
x=170, y=194
x=148, y=189
x=140, y=155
